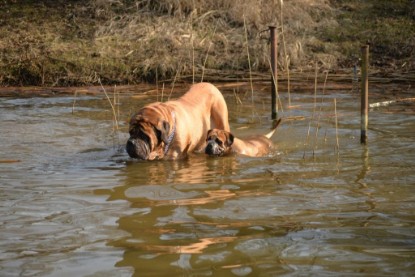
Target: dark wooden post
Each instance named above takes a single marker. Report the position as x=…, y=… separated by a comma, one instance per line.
x=364, y=105
x=274, y=76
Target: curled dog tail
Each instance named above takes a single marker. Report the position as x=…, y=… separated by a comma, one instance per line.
x=274, y=128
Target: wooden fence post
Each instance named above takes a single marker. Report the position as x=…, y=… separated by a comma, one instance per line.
x=364, y=105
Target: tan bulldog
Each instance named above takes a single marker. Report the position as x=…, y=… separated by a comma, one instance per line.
x=172, y=129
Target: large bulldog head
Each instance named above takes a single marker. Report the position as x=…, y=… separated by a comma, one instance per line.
x=149, y=134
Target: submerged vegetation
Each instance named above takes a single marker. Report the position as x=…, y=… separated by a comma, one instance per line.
x=60, y=43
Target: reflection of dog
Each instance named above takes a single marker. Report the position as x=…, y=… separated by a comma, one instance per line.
x=221, y=142
x=172, y=129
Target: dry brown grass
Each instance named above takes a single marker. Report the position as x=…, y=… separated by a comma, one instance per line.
x=184, y=26
x=125, y=41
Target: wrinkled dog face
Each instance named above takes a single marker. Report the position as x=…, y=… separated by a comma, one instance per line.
x=141, y=142
x=218, y=142
x=147, y=139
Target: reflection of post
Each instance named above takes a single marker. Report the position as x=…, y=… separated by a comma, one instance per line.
x=363, y=186
x=365, y=167
x=364, y=106
x=274, y=76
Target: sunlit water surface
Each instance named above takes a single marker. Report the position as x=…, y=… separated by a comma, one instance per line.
x=74, y=204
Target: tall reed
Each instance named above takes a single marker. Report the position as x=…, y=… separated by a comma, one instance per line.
x=117, y=100
x=319, y=113
x=314, y=111
x=207, y=53
x=337, y=132
x=275, y=83
x=74, y=101
x=286, y=57
x=114, y=114
x=204, y=63
x=174, y=80
x=249, y=62
x=193, y=48
x=157, y=84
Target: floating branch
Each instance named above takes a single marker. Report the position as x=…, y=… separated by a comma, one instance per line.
x=387, y=103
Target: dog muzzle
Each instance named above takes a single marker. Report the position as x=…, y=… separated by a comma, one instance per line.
x=138, y=149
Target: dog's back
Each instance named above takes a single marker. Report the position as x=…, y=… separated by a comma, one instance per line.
x=253, y=146
x=256, y=145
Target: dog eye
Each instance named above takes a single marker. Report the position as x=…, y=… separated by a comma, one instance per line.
x=132, y=131
x=219, y=142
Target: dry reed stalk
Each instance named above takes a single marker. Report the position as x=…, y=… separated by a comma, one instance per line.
x=157, y=84
x=74, y=101
x=117, y=105
x=204, y=63
x=285, y=53
x=319, y=113
x=276, y=87
x=315, y=89
x=9, y=161
x=162, y=93
x=307, y=138
x=117, y=100
x=288, y=85
x=294, y=118
x=193, y=49
x=174, y=81
x=115, y=121
x=249, y=62
x=237, y=98
x=207, y=54
x=337, y=133
x=314, y=111
x=325, y=136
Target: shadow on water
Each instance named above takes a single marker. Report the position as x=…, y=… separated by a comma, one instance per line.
x=74, y=204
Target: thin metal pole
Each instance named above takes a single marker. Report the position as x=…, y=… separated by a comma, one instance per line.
x=274, y=76
x=364, y=106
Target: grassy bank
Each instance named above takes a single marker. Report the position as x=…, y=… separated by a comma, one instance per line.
x=61, y=43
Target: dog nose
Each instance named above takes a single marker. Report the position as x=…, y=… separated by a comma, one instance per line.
x=209, y=148
x=130, y=147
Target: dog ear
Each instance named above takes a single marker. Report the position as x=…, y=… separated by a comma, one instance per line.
x=208, y=133
x=229, y=139
x=163, y=128
x=135, y=119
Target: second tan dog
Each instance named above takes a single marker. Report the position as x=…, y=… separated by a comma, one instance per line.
x=221, y=142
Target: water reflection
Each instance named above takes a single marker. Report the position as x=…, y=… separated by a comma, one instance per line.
x=365, y=165
x=73, y=205
x=166, y=226
x=150, y=180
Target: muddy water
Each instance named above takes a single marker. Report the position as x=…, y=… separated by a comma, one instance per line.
x=73, y=203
